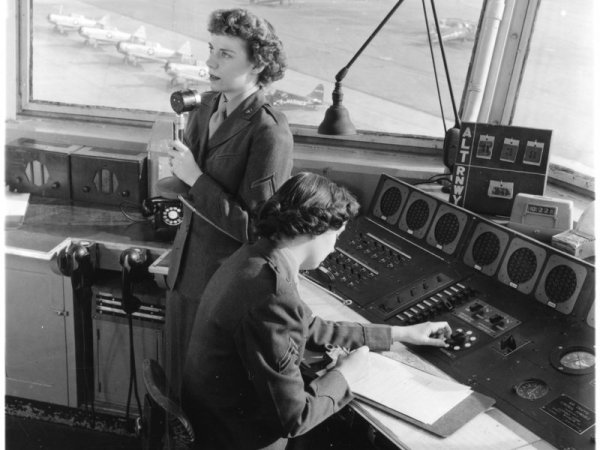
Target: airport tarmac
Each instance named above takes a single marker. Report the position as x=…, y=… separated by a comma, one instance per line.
x=381, y=94
x=390, y=88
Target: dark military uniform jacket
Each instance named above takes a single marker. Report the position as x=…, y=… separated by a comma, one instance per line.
x=242, y=384
x=243, y=163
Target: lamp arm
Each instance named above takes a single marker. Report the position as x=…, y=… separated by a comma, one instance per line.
x=342, y=73
x=337, y=121
x=439, y=33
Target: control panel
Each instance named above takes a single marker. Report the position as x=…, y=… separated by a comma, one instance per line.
x=522, y=312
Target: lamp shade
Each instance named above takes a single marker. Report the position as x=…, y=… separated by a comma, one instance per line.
x=337, y=120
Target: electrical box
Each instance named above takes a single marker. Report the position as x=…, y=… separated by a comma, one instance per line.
x=495, y=163
x=112, y=344
x=541, y=217
x=39, y=168
x=109, y=176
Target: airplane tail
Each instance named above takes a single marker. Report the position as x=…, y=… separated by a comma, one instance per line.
x=317, y=93
x=186, y=49
x=140, y=34
x=104, y=21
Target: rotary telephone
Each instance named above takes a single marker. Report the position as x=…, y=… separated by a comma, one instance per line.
x=167, y=214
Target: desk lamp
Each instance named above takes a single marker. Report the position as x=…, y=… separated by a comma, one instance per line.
x=337, y=120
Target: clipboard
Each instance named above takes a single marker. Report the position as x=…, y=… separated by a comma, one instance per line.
x=454, y=419
x=399, y=390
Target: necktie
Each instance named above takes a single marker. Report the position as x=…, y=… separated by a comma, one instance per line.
x=217, y=118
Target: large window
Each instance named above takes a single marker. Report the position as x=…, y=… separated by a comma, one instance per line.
x=390, y=88
x=557, y=92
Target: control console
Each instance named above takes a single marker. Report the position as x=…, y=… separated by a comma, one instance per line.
x=522, y=312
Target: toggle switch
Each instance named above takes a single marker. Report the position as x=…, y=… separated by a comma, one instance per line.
x=476, y=307
x=508, y=343
x=497, y=320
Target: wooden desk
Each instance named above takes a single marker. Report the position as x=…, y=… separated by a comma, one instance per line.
x=492, y=430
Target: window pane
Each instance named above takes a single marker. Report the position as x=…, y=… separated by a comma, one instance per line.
x=390, y=88
x=557, y=89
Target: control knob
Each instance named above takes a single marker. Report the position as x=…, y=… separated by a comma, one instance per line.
x=457, y=338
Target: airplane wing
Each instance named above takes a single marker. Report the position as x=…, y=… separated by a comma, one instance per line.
x=454, y=29
x=285, y=99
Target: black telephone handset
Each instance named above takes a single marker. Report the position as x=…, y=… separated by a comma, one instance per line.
x=78, y=262
x=75, y=260
x=134, y=262
x=451, y=143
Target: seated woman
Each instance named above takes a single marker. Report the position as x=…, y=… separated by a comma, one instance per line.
x=242, y=384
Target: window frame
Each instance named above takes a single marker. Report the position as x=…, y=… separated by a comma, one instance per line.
x=499, y=94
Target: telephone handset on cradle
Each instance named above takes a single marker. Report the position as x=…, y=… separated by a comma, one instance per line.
x=78, y=261
x=134, y=262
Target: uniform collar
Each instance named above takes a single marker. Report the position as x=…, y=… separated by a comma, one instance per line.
x=280, y=259
x=233, y=102
x=293, y=263
x=239, y=118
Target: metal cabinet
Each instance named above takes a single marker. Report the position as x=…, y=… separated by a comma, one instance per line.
x=40, y=347
x=65, y=348
x=114, y=341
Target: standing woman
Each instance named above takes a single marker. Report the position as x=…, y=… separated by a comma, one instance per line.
x=236, y=152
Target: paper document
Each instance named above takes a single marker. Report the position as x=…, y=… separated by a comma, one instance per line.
x=15, y=207
x=409, y=391
x=483, y=432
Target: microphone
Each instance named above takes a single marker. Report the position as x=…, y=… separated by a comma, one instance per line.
x=337, y=120
x=185, y=101
x=182, y=102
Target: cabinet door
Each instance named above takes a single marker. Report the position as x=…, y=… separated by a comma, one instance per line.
x=38, y=352
x=112, y=355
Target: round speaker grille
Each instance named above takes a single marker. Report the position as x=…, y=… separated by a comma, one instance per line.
x=521, y=265
x=561, y=282
x=486, y=248
x=446, y=229
x=417, y=214
x=390, y=201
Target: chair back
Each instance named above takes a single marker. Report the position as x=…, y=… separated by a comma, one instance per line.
x=164, y=424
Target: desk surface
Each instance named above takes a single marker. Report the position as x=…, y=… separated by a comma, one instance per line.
x=492, y=430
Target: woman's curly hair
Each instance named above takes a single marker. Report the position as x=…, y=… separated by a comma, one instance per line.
x=264, y=47
x=307, y=203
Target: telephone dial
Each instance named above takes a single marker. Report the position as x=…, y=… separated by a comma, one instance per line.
x=168, y=214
